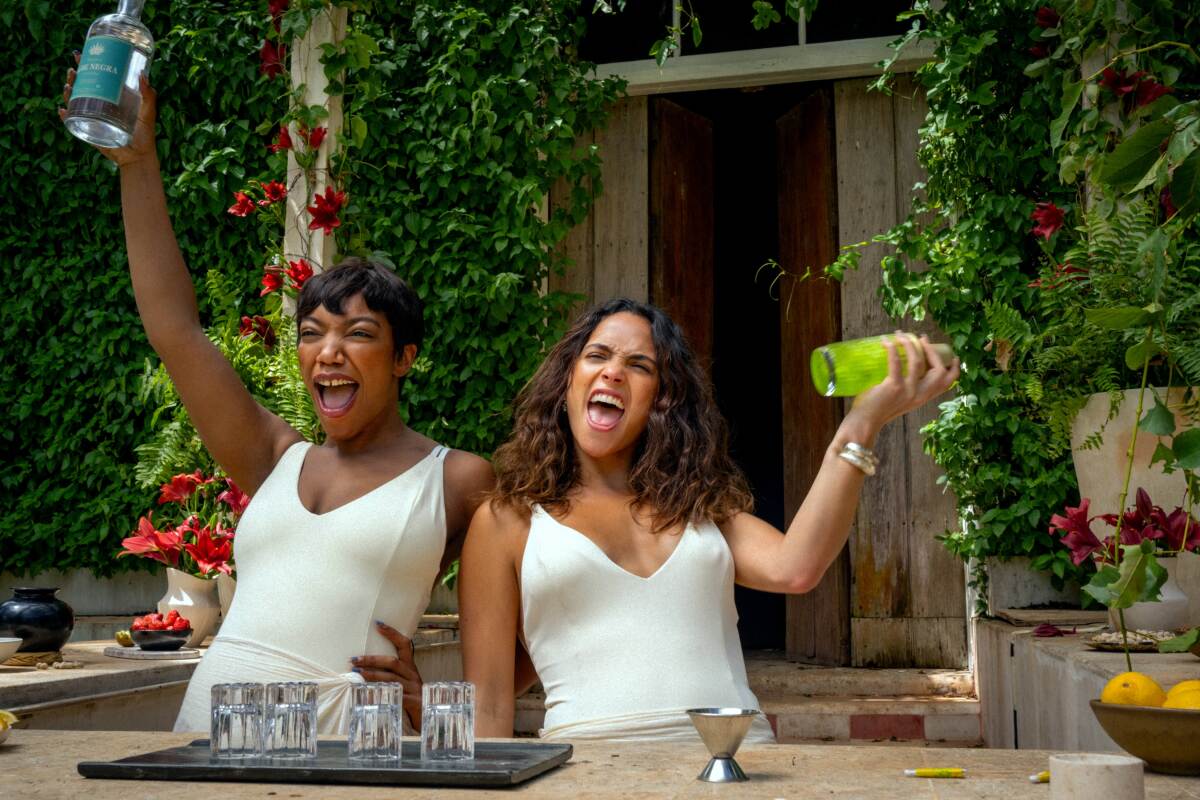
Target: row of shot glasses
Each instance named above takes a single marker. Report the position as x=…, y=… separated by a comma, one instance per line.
x=279, y=721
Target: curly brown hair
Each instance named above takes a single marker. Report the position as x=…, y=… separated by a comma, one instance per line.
x=682, y=471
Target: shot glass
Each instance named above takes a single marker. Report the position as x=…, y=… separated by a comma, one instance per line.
x=290, y=720
x=375, y=722
x=448, y=721
x=237, y=720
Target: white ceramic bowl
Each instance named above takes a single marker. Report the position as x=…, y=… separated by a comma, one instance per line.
x=8, y=646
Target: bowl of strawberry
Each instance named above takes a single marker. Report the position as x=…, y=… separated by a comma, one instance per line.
x=158, y=632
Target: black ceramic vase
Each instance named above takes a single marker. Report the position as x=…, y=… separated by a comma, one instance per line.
x=37, y=617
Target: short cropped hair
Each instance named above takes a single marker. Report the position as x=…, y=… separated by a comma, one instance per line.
x=383, y=290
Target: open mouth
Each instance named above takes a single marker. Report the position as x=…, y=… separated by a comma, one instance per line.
x=604, y=410
x=335, y=395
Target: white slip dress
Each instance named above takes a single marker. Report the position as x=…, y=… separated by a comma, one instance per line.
x=310, y=586
x=623, y=657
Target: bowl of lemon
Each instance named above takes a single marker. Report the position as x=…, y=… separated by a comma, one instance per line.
x=1159, y=726
x=6, y=722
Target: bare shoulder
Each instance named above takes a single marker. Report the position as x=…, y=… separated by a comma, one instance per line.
x=498, y=527
x=468, y=474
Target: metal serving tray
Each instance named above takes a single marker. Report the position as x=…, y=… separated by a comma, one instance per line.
x=495, y=764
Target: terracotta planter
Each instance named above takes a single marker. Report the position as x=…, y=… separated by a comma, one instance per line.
x=1101, y=471
x=195, y=599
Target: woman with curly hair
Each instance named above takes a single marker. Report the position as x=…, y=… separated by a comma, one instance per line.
x=619, y=525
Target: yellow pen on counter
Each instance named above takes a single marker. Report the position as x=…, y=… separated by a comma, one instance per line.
x=1041, y=777
x=936, y=772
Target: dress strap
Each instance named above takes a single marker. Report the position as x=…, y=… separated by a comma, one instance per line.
x=440, y=451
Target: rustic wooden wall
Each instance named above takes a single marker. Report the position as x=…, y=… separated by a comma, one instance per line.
x=907, y=595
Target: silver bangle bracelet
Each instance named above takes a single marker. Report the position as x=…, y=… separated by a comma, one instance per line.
x=860, y=457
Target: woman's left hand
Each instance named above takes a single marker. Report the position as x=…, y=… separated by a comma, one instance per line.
x=400, y=668
x=902, y=391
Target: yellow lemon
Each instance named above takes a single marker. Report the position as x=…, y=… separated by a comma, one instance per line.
x=6, y=718
x=1181, y=687
x=1133, y=689
x=1184, y=700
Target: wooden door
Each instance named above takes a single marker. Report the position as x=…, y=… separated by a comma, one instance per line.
x=818, y=623
x=681, y=220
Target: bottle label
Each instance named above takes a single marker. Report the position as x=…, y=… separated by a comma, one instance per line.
x=102, y=68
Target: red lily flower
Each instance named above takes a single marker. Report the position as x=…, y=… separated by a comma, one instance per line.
x=1077, y=532
x=1049, y=219
x=283, y=141
x=274, y=191
x=1148, y=91
x=299, y=272
x=211, y=553
x=1168, y=205
x=276, y=8
x=180, y=487
x=1047, y=17
x=271, y=59
x=149, y=542
x=243, y=206
x=235, y=498
x=324, y=210
x=315, y=137
x=1178, y=525
x=258, y=326
x=1039, y=51
x=1119, y=82
x=271, y=281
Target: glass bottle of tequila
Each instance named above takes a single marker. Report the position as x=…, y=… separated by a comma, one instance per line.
x=105, y=100
x=845, y=369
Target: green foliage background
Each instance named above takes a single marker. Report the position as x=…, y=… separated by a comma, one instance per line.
x=462, y=115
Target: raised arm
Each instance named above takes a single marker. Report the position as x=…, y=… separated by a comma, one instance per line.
x=768, y=560
x=489, y=613
x=243, y=437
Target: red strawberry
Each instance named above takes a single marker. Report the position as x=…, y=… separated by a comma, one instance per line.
x=180, y=625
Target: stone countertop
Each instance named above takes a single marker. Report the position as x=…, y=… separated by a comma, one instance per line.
x=100, y=674
x=41, y=765
x=1166, y=668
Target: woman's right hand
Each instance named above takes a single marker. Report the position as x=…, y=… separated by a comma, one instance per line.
x=142, y=145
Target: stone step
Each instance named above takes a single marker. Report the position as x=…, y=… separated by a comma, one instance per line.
x=770, y=673
x=874, y=719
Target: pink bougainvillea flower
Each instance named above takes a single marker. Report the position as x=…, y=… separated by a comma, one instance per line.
x=1047, y=17
x=315, y=137
x=274, y=191
x=258, y=326
x=1168, y=205
x=1039, y=51
x=1077, y=532
x=211, y=553
x=235, y=498
x=272, y=280
x=149, y=542
x=271, y=58
x=1119, y=82
x=243, y=206
x=324, y=210
x=299, y=272
x=282, y=142
x=1148, y=91
x=1049, y=219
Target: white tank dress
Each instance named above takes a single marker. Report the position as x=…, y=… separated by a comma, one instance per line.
x=623, y=657
x=311, y=585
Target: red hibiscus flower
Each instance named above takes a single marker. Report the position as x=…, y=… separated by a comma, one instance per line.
x=243, y=206
x=299, y=272
x=325, y=209
x=149, y=542
x=1119, y=82
x=210, y=552
x=1168, y=205
x=282, y=142
x=258, y=326
x=274, y=191
x=271, y=281
x=315, y=137
x=235, y=498
x=1039, y=51
x=1148, y=91
x=271, y=59
x=1047, y=17
x=1077, y=532
x=1049, y=219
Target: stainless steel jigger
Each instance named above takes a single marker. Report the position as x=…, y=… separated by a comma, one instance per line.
x=722, y=730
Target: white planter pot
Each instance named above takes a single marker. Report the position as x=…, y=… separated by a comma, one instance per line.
x=1101, y=471
x=195, y=599
x=226, y=586
x=1014, y=584
x=1168, y=614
